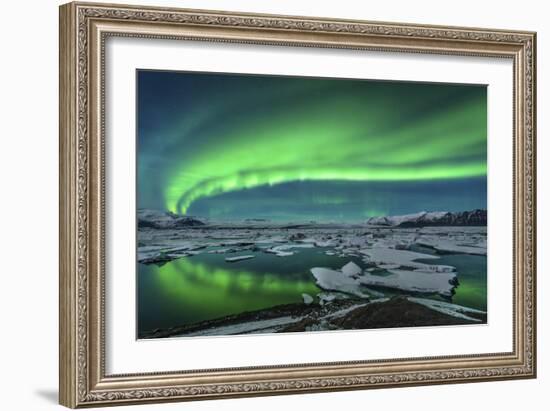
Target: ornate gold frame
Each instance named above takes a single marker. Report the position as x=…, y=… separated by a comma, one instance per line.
x=83, y=30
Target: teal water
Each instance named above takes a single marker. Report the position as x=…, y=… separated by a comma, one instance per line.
x=205, y=286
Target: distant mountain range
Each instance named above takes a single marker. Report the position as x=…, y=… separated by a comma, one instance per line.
x=165, y=219
x=148, y=218
x=434, y=218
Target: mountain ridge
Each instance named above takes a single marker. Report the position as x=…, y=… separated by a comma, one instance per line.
x=477, y=217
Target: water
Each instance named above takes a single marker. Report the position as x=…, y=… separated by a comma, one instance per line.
x=205, y=286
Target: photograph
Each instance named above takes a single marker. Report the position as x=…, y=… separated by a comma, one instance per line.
x=278, y=204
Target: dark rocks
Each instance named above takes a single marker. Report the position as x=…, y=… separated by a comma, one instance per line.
x=397, y=312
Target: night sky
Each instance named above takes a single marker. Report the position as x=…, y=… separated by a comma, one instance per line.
x=295, y=148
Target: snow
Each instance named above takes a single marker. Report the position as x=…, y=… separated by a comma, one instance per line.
x=238, y=258
x=399, y=219
x=244, y=328
x=453, y=310
x=344, y=311
x=424, y=217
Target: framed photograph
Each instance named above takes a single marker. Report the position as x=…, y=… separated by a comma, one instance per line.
x=259, y=204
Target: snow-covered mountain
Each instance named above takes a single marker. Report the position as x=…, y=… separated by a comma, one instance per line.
x=433, y=218
x=165, y=219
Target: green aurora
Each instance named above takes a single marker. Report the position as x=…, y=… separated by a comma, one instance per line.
x=204, y=290
x=230, y=146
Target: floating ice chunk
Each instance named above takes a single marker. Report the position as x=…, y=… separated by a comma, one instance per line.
x=332, y=280
x=221, y=251
x=351, y=269
x=453, y=246
x=415, y=281
x=291, y=246
x=391, y=258
x=238, y=258
x=453, y=310
x=438, y=268
x=167, y=251
x=387, y=255
x=324, y=243
x=284, y=253
x=308, y=299
x=283, y=250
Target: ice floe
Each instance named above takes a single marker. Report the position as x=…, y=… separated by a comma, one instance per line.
x=284, y=250
x=308, y=299
x=352, y=280
x=333, y=280
x=418, y=281
x=238, y=258
x=445, y=245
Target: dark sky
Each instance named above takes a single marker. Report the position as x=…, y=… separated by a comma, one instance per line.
x=294, y=148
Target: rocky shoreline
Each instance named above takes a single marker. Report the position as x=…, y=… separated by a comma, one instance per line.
x=344, y=314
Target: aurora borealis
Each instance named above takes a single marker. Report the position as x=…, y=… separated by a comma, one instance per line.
x=293, y=148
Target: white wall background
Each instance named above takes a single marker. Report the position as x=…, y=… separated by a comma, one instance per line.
x=28, y=206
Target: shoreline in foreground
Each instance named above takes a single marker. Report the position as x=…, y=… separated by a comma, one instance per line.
x=345, y=314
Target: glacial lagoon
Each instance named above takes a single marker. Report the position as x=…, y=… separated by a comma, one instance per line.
x=193, y=276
